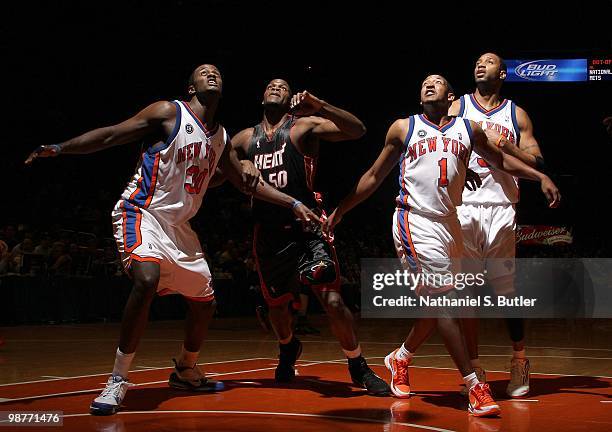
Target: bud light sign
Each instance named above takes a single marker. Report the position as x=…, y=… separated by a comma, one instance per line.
x=547, y=70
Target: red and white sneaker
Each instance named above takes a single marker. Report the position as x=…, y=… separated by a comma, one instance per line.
x=481, y=402
x=400, y=382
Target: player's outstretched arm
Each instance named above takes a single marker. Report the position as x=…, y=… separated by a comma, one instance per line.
x=374, y=176
x=158, y=117
x=326, y=121
x=512, y=165
x=232, y=169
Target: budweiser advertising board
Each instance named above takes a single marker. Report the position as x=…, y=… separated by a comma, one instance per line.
x=543, y=235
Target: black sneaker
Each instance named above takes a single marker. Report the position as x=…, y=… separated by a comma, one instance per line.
x=192, y=379
x=365, y=377
x=289, y=353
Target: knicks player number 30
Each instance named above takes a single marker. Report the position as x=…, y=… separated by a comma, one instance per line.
x=197, y=178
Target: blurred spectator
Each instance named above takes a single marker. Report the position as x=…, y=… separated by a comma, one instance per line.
x=44, y=248
x=60, y=262
x=9, y=235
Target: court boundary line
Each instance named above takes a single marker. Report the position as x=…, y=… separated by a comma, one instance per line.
x=212, y=374
x=272, y=413
x=305, y=363
x=132, y=371
x=496, y=371
x=509, y=346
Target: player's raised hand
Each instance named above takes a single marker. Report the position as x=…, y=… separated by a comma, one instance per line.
x=329, y=223
x=472, y=180
x=305, y=104
x=250, y=176
x=44, y=151
x=551, y=192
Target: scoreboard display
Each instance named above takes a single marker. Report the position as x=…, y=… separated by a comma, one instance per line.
x=600, y=69
x=560, y=70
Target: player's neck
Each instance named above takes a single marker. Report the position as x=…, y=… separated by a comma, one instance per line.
x=488, y=97
x=205, y=108
x=435, y=114
x=273, y=119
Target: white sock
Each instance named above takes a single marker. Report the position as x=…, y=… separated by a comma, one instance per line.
x=188, y=358
x=475, y=363
x=519, y=354
x=352, y=354
x=471, y=380
x=403, y=354
x=286, y=340
x=122, y=363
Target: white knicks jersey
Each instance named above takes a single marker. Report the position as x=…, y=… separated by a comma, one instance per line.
x=433, y=165
x=172, y=177
x=498, y=187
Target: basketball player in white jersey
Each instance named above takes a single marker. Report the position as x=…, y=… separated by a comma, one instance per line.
x=433, y=151
x=487, y=216
x=151, y=220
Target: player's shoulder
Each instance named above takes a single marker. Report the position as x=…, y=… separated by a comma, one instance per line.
x=401, y=128
x=243, y=137
x=162, y=108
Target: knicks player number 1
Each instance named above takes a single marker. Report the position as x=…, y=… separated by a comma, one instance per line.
x=443, y=180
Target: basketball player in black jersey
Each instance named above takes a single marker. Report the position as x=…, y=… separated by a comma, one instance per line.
x=284, y=147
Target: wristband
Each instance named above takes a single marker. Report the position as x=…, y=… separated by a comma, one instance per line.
x=295, y=204
x=57, y=148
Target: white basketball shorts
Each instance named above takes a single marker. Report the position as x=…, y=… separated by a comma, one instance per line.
x=142, y=237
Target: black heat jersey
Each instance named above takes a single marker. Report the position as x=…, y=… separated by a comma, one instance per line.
x=284, y=167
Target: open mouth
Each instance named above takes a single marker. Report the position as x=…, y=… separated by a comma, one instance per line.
x=430, y=93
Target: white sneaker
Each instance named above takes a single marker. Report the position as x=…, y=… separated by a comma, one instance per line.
x=482, y=377
x=519, y=378
x=111, y=397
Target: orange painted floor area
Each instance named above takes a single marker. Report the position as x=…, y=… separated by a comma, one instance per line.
x=320, y=399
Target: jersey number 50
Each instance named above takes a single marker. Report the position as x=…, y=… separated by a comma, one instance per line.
x=279, y=179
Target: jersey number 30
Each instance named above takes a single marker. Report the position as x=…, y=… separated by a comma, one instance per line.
x=197, y=178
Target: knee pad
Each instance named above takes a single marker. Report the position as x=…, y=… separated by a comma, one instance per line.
x=318, y=272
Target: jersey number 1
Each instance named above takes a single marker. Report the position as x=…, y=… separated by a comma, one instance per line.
x=443, y=180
